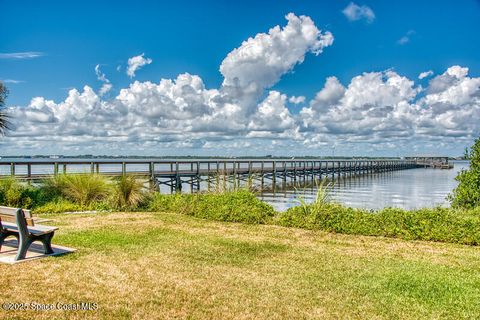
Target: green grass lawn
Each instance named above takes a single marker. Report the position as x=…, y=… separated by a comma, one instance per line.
x=161, y=265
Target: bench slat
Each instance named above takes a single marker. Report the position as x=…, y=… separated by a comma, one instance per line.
x=8, y=214
x=37, y=230
x=11, y=211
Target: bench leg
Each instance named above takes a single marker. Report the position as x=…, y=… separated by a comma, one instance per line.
x=23, y=245
x=2, y=238
x=5, y=235
x=47, y=243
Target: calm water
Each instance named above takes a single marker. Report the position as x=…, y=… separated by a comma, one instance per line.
x=409, y=189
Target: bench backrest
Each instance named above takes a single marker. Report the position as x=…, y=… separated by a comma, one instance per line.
x=7, y=214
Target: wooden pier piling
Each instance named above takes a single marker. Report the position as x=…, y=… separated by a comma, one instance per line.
x=195, y=173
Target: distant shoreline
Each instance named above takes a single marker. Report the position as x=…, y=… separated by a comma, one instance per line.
x=56, y=157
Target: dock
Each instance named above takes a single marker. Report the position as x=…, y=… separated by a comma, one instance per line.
x=196, y=173
x=434, y=162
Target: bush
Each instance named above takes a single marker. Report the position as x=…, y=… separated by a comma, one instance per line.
x=467, y=194
x=231, y=206
x=82, y=189
x=436, y=224
x=15, y=194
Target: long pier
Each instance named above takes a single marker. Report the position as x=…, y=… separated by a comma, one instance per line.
x=193, y=173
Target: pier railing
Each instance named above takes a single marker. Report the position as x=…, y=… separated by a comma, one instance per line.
x=193, y=172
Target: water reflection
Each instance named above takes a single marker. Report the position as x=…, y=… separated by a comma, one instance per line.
x=409, y=189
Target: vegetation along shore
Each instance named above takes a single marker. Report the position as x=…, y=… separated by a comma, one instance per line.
x=93, y=192
x=226, y=254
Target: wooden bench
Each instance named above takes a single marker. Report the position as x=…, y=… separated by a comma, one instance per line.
x=19, y=223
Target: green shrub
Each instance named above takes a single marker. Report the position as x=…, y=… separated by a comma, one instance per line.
x=82, y=189
x=16, y=194
x=435, y=224
x=467, y=194
x=231, y=206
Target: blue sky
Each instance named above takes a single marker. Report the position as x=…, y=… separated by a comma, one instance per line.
x=71, y=38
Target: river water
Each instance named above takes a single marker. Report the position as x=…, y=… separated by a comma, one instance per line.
x=408, y=189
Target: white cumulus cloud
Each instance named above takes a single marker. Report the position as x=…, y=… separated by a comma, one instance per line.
x=371, y=112
x=260, y=61
x=373, y=106
x=452, y=105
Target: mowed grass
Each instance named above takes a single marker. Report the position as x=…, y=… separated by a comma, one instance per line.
x=160, y=266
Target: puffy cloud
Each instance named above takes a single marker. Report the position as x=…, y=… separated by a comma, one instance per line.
x=182, y=98
x=330, y=95
x=354, y=12
x=135, y=63
x=374, y=111
x=425, y=74
x=374, y=105
x=385, y=108
x=260, y=61
x=272, y=114
x=451, y=106
x=447, y=79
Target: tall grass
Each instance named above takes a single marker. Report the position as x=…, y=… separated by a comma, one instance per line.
x=128, y=193
x=82, y=189
x=322, y=197
x=228, y=183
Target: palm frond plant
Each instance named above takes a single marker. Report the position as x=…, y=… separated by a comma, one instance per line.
x=83, y=188
x=128, y=192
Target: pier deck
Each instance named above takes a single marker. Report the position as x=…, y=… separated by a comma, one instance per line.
x=192, y=172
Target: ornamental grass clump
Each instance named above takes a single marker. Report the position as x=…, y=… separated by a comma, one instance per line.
x=82, y=189
x=128, y=193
